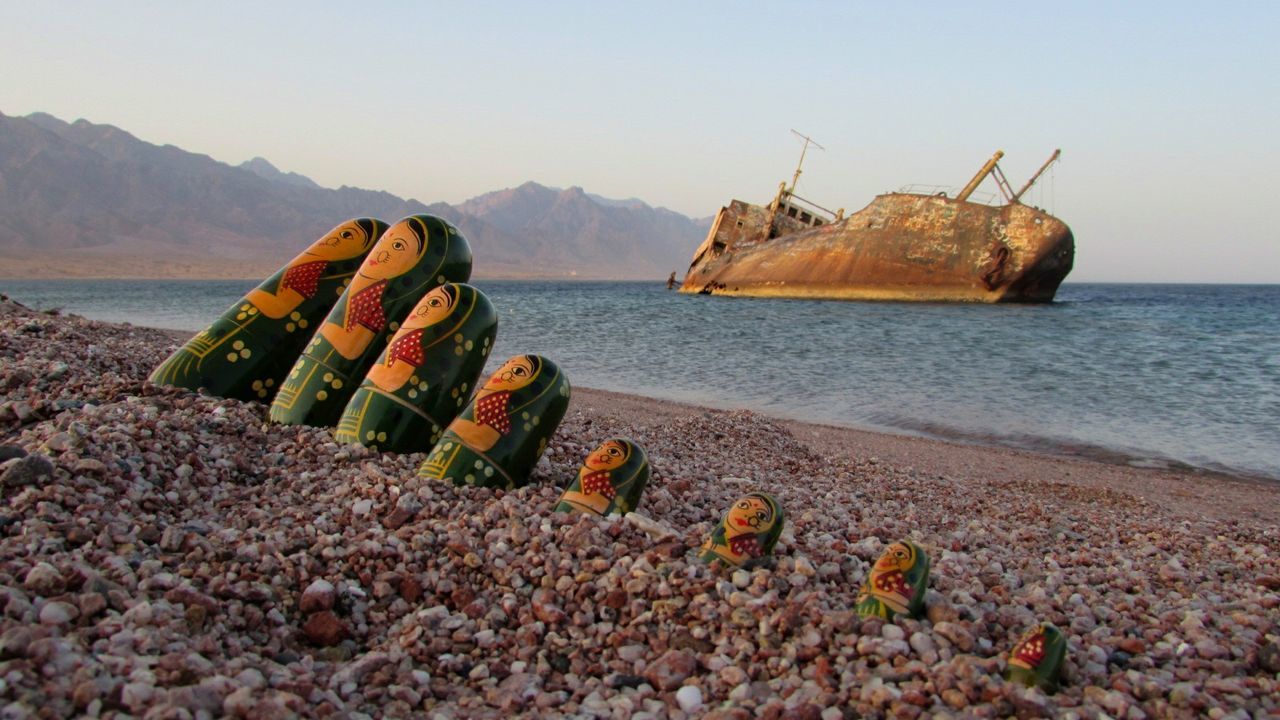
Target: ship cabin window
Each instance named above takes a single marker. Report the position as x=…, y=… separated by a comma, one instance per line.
x=805, y=218
x=817, y=222
x=739, y=224
x=791, y=212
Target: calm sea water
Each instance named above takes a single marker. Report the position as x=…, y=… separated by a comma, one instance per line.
x=1145, y=374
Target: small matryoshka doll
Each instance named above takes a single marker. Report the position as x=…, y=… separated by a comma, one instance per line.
x=413, y=256
x=748, y=531
x=499, y=437
x=410, y=395
x=897, y=582
x=1036, y=659
x=610, y=480
x=247, y=352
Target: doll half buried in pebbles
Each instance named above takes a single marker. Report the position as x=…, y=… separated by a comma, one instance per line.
x=610, y=480
x=896, y=584
x=1036, y=659
x=413, y=256
x=746, y=533
x=247, y=352
x=498, y=438
x=411, y=394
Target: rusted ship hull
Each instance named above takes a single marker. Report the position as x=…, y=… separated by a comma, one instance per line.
x=900, y=247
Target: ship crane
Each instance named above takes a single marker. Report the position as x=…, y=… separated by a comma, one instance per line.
x=992, y=168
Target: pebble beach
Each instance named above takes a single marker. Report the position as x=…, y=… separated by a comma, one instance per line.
x=165, y=554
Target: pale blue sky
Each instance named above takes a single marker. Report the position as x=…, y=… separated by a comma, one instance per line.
x=1168, y=113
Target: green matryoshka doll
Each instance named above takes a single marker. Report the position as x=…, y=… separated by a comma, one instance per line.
x=746, y=533
x=413, y=256
x=247, y=352
x=896, y=584
x=411, y=393
x=1036, y=659
x=499, y=437
x=610, y=480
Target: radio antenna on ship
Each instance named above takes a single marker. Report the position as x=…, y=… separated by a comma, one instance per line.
x=807, y=142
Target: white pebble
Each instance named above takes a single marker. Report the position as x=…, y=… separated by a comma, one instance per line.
x=689, y=698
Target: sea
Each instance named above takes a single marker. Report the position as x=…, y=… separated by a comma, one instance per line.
x=1165, y=376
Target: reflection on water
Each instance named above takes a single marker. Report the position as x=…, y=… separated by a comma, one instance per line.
x=1156, y=373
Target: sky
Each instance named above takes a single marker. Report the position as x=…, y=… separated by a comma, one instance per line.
x=1167, y=113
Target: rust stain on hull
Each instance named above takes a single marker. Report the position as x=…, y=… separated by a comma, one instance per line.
x=902, y=246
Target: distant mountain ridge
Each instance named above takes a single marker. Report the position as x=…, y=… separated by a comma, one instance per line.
x=88, y=200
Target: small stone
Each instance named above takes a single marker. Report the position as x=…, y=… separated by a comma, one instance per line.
x=733, y=676
x=671, y=670
x=136, y=695
x=59, y=442
x=689, y=698
x=90, y=465
x=893, y=632
x=1269, y=657
x=956, y=634
x=360, y=508
x=318, y=596
x=58, y=613
x=324, y=629
x=44, y=580
x=410, y=590
x=14, y=642
x=9, y=452
x=545, y=608
x=27, y=471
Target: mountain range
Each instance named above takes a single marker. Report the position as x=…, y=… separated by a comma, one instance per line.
x=88, y=200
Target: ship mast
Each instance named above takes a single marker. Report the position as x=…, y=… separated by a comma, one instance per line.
x=807, y=142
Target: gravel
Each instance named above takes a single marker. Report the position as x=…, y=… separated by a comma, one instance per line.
x=166, y=554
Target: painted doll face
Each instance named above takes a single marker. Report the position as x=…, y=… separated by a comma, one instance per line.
x=513, y=375
x=610, y=455
x=748, y=515
x=431, y=309
x=348, y=240
x=898, y=557
x=395, y=254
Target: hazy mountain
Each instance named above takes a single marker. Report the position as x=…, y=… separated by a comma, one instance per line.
x=81, y=199
x=261, y=167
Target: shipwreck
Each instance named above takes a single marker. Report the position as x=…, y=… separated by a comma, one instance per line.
x=903, y=246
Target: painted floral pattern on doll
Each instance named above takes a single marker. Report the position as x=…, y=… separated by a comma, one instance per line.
x=304, y=279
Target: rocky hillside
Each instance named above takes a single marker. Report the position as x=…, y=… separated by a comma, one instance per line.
x=87, y=200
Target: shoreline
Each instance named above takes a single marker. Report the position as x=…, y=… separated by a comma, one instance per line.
x=162, y=550
x=887, y=436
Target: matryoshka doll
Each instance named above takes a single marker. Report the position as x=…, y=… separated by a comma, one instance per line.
x=1036, y=659
x=747, y=532
x=247, y=352
x=610, y=480
x=410, y=394
x=413, y=256
x=500, y=435
x=896, y=584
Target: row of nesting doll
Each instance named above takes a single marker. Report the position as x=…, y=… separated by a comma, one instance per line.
x=385, y=341
x=412, y=396
x=613, y=476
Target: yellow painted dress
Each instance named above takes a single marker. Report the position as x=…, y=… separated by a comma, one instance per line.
x=247, y=352
x=417, y=254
